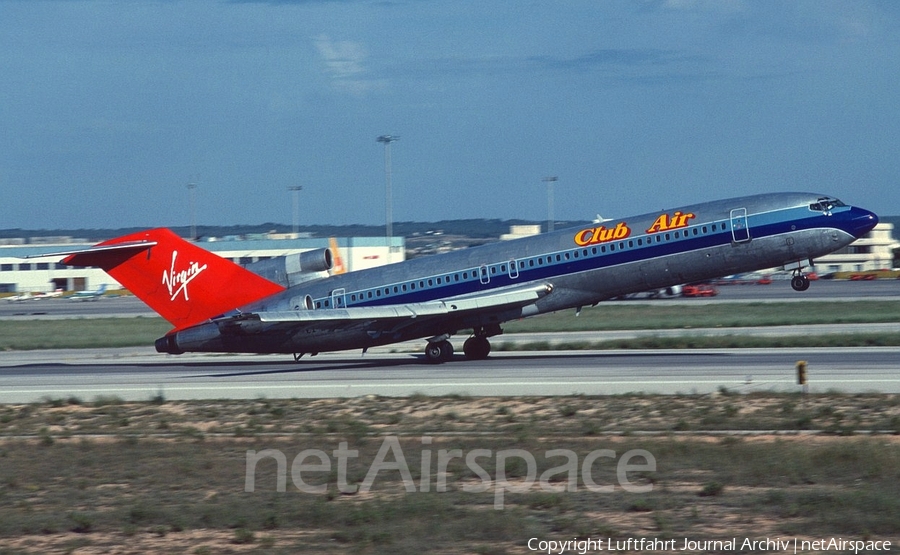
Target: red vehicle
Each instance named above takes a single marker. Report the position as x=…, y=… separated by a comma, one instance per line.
x=699, y=290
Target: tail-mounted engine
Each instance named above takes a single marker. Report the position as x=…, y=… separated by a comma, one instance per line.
x=295, y=268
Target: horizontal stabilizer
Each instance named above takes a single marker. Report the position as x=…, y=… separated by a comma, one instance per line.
x=82, y=257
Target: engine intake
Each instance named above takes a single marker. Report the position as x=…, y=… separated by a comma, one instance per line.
x=295, y=268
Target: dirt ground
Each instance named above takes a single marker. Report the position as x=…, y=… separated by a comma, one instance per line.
x=104, y=476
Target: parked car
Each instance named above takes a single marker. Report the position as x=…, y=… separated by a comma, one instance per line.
x=699, y=290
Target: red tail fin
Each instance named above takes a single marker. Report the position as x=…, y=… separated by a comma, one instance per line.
x=184, y=283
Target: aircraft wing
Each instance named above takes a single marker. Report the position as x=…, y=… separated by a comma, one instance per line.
x=391, y=318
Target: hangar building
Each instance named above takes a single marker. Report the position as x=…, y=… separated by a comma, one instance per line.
x=18, y=275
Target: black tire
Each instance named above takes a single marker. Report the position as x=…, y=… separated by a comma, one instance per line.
x=800, y=283
x=433, y=353
x=446, y=351
x=477, y=348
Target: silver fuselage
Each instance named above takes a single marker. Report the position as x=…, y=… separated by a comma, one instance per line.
x=582, y=266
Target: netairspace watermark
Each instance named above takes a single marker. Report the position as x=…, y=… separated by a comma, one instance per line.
x=316, y=460
x=742, y=545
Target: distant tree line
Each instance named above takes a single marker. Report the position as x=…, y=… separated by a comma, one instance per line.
x=475, y=228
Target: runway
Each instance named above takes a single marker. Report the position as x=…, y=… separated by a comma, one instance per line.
x=139, y=374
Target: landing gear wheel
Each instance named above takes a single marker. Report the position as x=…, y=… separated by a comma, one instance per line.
x=477, y=348
x=800, y=282
x=438, y=351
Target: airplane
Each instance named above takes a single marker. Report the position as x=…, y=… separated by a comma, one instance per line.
x=58, y=292
x=26, y=296
x=218, y=306
x=88, y=295
x=29, y=296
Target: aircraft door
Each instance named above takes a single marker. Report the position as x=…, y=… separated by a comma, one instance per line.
x=483, y=275
x=337, y=298
x=513, y=269
x=740, y=230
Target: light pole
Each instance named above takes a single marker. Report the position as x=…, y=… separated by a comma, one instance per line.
x=388, y=215
x=550, y=180
x=295, y=191
x=192, y=187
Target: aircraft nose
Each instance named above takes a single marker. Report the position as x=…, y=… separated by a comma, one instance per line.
x=861, y=221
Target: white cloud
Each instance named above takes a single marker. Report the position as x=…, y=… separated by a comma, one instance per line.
x=345, y=64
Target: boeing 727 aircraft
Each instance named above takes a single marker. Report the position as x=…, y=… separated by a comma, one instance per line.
x=283, y=306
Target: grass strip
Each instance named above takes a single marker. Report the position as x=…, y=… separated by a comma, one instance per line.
x=637, y=316
x=80, y=333
x=143, y=331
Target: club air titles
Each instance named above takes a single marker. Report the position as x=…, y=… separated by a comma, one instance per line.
x=666, y=223
x=603, y=234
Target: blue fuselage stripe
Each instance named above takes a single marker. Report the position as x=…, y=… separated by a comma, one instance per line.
x=760, y=226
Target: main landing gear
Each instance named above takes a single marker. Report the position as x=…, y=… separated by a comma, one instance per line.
x=477, y=347
x=438, y=351
x=800, y=281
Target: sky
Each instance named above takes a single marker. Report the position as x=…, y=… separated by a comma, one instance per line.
x=109, y=109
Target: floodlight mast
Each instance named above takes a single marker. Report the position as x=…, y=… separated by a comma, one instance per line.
x=550, y=180
x=295, y=192
x=388, y=209
x=192, y=186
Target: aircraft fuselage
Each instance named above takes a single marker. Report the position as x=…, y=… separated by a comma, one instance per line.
x=582, y=266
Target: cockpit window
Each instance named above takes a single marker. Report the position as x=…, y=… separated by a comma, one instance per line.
x=825, y=204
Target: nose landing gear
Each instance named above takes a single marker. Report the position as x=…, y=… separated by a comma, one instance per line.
x=800, y=281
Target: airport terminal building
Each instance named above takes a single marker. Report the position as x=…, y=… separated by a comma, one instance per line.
x=33, y=275
x=874, y=251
